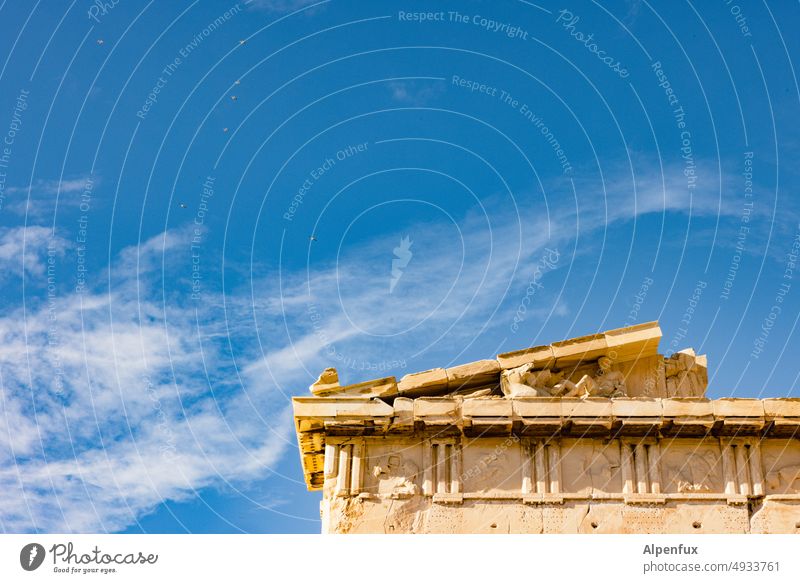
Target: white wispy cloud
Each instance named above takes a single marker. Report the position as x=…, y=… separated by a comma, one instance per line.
x=51, y=186
x=38, y=200
x=280, y=6
x=641, y=186
x=416, y=93
x=112, y=402
x=25, y=250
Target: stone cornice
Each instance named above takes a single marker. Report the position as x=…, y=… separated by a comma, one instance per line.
x=319, y=417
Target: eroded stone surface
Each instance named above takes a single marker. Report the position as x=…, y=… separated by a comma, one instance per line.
x=327, y=382
x=573, y=485
x=428, y=382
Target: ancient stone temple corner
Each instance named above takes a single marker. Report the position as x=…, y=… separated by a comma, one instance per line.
x=596, y=434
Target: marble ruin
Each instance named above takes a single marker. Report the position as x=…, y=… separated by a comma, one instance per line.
x=597, y=434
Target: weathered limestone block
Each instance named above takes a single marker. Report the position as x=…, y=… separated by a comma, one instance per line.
x=589, y=408
x=781, y=463
x=634, y=342
x=487, y=407
x=418, y=515
x=492, y=467
x=628, y=407
x=777, y=517
x=386, y=387
x=638, y=416
x=782, y=408
x=328, y=382
x=688, y=417
x=591, y=467
x=538, y=417
x=539, y=357
x=740, y=416
x=784, y=415
x=437, y=411
x=423, y=383
x=691, y=517
x=351, y=408
x=546, y=407
x=644, y=377
x=481, y=372
x=686, y=374
x=393, y=469
x=576, y=350
x=691, y=467
x=403, y=419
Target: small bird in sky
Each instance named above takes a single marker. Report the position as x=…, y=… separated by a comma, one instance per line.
x=234, y=98
x=312, y=238
x=225, y=130
x=183, y=205
x=241, y=42
x=237, y=82
x=100, y=41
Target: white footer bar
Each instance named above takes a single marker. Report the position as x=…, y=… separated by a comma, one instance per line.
x=390, y=558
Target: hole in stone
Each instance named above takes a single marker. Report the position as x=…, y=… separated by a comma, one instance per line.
x=696, y=524
x=797, y=525
x=493, y=525
x=594, y=525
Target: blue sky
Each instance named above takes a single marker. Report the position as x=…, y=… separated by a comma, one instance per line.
x=201, y=204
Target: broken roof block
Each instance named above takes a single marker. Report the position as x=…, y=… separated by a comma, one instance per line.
x=633, y=342
x=423, y=384
x=576, y=350
x=315, y=408
x=327, y=382
x=538, y=356
x=385, y=387
x=473, y=374
x=620, y=344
